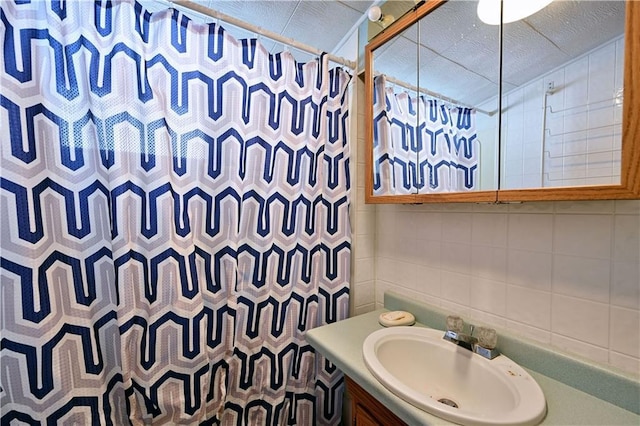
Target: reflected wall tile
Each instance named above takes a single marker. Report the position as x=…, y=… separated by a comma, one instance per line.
x=575, y=86
x=602, y=64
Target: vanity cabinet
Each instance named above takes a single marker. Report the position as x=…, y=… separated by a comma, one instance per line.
x=368, y=411
x=546, y=107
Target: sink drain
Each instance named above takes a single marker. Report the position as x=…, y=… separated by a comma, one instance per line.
x=447, y=401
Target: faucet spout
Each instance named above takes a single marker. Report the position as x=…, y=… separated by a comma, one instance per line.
x=467, y=341
x=484, y=345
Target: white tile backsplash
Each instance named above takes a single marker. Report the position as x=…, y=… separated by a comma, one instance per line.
x=584, y=235
x=586, y=350
x=456, y=257
x=562, y=273
x=582, y=277
x=456, y=227
x=530, y=269
x=627, y=235
x=528, y=306
x=489, y=263
x=624, y=362
x=455, y=287
x=489, y=296
x=625, y=284
x=580, y=319
x=625, y=331
x=530, y=232
x=489, y=229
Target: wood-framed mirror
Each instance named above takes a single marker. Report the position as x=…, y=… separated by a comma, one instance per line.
x=581, y=97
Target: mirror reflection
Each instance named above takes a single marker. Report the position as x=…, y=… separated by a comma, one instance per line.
x=459, y=71
x=428, y=81
x=439, y=87
x=396, y=116
x=562, y=96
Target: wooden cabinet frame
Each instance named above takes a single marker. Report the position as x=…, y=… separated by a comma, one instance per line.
x=629, y=187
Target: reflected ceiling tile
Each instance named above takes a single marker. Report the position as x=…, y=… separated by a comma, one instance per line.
x=527, y=54
x=448, y=24
x=561, y=21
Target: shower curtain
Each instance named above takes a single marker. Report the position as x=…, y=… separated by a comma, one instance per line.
x=422, y=145
x=175, y=219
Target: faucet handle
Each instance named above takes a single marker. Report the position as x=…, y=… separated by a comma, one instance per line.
x=487, y=337
x=455, y=323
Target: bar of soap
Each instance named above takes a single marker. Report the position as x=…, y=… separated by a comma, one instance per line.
x=394, y=318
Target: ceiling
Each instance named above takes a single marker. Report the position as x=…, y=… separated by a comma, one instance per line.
x=317, y=23
x=457, y=55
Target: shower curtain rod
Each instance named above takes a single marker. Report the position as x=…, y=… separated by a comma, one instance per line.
x=261, y=31
x=436, y=95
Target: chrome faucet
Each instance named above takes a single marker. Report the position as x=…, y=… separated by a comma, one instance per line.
x=484, y=345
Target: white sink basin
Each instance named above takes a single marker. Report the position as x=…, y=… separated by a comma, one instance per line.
x=420, y=367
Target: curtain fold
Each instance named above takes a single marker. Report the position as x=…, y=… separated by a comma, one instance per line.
x=176, y=218
x=422, y=145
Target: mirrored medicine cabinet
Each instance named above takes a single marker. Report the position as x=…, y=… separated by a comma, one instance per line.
x=546, y=107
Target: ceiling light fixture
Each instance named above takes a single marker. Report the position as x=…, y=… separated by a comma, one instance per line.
x=513, y=10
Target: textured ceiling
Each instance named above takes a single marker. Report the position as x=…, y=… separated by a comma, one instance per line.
x=318, y=23
x=457, y=55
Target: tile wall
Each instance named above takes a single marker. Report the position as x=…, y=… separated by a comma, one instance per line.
x=363, y=216
x=582, y=124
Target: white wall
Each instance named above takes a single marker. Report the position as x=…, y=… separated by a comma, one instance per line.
x=582, y=124
x=363, y=225
x=563, y=273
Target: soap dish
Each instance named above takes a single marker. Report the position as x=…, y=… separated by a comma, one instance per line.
x=394, y=318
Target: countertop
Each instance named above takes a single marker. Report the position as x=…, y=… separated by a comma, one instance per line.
x=341, y=343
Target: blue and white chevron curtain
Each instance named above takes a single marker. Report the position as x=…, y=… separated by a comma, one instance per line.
x=422, y=145
x=174, y=219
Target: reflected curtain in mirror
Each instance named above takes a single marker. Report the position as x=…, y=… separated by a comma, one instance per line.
x=422, y=145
